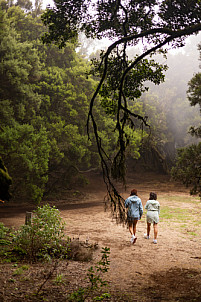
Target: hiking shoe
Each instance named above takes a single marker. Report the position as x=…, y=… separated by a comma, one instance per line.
x=146, y=236
x=133, y=239
x=155, y=241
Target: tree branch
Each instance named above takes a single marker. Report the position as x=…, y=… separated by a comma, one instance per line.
x=117, y=202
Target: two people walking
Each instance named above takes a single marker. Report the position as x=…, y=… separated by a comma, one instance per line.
x=135, y=210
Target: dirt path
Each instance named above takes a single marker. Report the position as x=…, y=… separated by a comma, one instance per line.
x=168, y=271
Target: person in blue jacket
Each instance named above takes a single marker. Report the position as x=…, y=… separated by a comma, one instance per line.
x=134, y=213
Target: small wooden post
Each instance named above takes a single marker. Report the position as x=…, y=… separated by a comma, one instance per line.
x=28, y=218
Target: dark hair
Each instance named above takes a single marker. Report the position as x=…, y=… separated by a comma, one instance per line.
x=153, y=196
x=134, y=192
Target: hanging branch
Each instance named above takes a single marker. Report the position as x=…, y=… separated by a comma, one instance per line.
x=65, y=25
x=117, y=166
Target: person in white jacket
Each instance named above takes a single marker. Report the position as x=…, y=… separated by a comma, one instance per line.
x=153, y=210
x=135, y=211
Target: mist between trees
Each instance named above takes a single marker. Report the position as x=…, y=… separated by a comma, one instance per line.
x=45, y=98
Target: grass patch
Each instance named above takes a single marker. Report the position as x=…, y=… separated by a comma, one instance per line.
x=175, y=214
x=20, y=270
x=192, y=233
x=197, y=222
x=183, y=226
x=183, y=218
x=181, y=199
x=59, y=279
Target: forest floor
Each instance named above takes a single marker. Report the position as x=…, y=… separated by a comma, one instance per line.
x=144, y=272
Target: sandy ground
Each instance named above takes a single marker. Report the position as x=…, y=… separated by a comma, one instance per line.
x=167, y=271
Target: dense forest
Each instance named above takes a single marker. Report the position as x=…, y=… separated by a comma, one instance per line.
x=45, y=95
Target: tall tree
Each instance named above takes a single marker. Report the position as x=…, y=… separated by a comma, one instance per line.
x=157, y=24
x=23, y=147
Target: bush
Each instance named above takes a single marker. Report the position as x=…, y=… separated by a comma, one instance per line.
x=3, y=231
x=188, y=168
x=43, y=237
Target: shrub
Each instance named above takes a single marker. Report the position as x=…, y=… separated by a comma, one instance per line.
x=3, y=231
x=188, y=168
x=43, y=237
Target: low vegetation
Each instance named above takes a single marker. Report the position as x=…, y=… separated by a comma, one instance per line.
x=43, y=243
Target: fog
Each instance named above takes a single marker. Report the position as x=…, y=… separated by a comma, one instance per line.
x=172, y=94
x=169, y=97
x=46, y=3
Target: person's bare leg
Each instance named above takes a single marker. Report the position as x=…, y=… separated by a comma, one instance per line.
x=134, y=230
x=148, y=228
x=130, y=227
x=155, y=230
x=134, y=226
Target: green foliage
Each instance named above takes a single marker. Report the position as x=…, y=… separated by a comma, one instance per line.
x=6, y=236
x=188, y=168
x=3, y=231
x=27, y=4
x=116, y=19
x=23, y=148
x=59, y=39
x=146, y=70
x=28, y=27
x=96, y=283
x=27, y=152
x=43, y=236
x=5, y=182
x=194, y=90
x=20, y=270
x=59, y=279
x=19, y=69
x=120, y=100
x=45, y=96
x=194, y=96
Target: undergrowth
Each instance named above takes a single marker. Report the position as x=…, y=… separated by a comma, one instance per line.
x=44, y=240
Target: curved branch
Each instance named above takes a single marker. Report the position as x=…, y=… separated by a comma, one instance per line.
x=96, y=93
x=117, y=202
x=172, y=33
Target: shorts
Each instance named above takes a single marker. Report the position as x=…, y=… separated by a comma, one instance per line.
x=152, y=217
x=131, y=219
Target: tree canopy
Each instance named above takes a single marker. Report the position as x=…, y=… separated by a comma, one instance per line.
x=154, y=25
